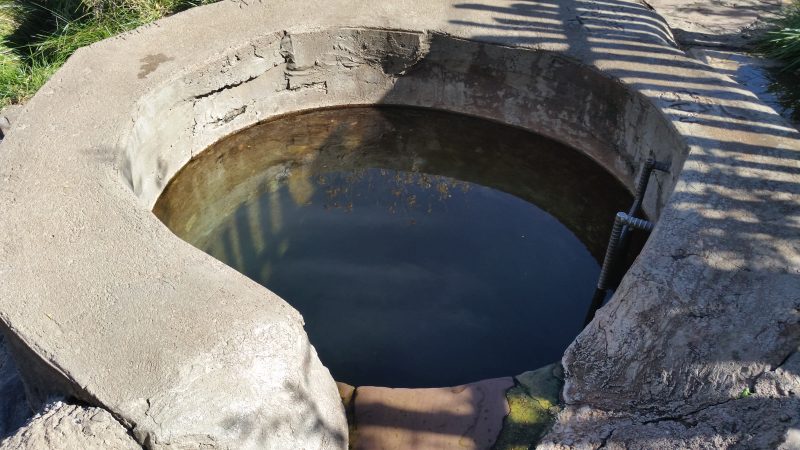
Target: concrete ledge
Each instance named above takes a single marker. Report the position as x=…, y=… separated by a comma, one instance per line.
x=108, y=306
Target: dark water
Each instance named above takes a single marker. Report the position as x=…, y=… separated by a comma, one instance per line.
x=785, y=86
x=423, y=248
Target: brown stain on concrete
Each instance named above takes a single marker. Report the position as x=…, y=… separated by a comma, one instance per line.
x=151, y=62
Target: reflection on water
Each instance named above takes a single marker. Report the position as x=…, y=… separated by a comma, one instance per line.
x=422, y=248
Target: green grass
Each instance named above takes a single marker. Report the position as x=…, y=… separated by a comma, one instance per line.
x=37, y=36
x=783, y=43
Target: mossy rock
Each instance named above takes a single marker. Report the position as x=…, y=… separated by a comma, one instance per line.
x=533, y=402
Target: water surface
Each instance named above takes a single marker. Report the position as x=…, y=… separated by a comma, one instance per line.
x=423, y=248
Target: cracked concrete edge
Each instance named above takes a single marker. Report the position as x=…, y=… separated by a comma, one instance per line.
x=764, y=414
x=738, y=423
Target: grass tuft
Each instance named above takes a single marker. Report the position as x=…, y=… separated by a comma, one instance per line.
x=783, y=43
x=37, y=36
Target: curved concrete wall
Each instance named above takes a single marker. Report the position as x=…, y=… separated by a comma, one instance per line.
x=104, y=304
x=544, y=92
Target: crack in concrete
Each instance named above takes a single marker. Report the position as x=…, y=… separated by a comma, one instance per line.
x=320, y=85
x=682, y=418
x=226, y=87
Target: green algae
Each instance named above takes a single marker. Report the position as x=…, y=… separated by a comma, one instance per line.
x=533, y=404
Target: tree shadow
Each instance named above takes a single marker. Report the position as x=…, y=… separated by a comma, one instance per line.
x=716, y=287
x=712, y=305
x=307, y=420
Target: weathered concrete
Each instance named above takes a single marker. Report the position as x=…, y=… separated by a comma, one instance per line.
x=761, y=76
x=751, y=423
x=71, y=427
x=116, y=311
x=501, y=414
x=718, y=23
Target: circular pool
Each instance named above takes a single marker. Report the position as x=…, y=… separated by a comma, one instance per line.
x=423, y=248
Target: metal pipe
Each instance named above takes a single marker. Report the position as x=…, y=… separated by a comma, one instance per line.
x=641, y=185
x=649, y=165
x=620, y=234
x=612, y=254
x=612, y=251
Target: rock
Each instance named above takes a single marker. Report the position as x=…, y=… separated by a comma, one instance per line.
x=71, y=427
x=5, y=125
x=7, y=116
x=581, y=427
x=533, y=404
x=756, y=422
x=544, y=383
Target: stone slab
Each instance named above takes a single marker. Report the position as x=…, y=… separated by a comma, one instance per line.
x=462, y=417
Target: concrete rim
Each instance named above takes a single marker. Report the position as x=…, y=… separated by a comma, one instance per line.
x=730, y=219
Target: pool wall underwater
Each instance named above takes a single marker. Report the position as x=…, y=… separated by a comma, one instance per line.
x=104, y=304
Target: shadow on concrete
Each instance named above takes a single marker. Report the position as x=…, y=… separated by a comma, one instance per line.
x=741, y=184
x=259, y=426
